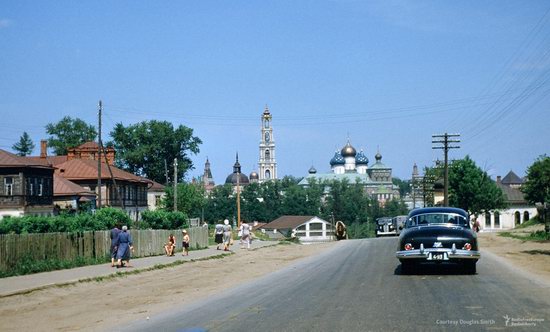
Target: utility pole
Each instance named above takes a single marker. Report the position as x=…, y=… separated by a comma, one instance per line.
x=446, y=140
x=166, y=172
x=238, y=197
x=98, y=203
x=175, y=184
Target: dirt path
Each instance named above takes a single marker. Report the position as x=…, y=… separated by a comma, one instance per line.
x=533, y=257
x=102, y=305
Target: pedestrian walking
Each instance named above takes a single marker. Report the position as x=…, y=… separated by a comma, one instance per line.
x=114, y=236
x=245, y=235
x=185, y=243
x=124, y=247
x=227, y=235
x=218, y=235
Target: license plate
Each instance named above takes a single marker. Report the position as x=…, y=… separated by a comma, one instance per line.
x=437, y=256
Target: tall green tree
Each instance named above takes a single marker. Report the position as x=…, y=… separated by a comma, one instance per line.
x=69, y=133
x=472, y=189
x=404, y=186
x=221, y=204
x=145, y=147
x=25, y=146
x=252, y=207
x=190, y=199
x=537, y=184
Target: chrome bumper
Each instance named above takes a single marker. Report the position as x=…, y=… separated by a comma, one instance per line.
x=452, y=253
x=385, y=233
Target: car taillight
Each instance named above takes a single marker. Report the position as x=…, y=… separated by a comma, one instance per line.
x=467, y=246
x=408, y=246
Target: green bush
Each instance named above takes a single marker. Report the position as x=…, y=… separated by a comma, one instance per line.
x=108, y=218
x=161, y=219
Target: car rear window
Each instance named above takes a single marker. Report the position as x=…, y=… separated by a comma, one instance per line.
x=438, y=218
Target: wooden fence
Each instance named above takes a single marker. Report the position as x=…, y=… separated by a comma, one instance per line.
x=93, y=244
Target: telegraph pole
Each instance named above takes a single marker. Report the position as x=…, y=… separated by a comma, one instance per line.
x=238, y=196
x=98, y=203
x=446, y=140
x=175, y=184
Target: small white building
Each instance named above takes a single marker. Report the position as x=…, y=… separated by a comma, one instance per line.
x=305, y=228
x=155, y=194
x=518, y=210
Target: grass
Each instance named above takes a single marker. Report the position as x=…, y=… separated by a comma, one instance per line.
x=29, y=265
x=531, y=222
x=537, y=236
x=537, y=252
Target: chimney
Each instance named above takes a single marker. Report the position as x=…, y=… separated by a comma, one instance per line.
x=43, y=148
x=499, y=178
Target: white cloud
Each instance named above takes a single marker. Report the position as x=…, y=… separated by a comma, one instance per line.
x=4, y=23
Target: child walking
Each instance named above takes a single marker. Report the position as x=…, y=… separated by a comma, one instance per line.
x=185, y=243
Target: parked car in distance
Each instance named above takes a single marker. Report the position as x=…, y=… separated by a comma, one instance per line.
x=384, y=226
x=399, y=223
x=438, y=235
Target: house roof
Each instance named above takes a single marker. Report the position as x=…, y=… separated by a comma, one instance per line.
x=49, y=160
x=511, y=178
x=8, y=159
x=285, y=222
x=153, y=185
x=64, y=187
x=512, y=195
x=88, y=145
x=86, y=169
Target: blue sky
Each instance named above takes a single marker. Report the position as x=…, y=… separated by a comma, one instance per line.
x=386, y=74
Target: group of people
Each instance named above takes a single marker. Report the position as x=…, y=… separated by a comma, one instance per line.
x=223, y=235
x=121, y=246
x=170, y=246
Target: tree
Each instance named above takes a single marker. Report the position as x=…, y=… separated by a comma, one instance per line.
x=404, y=186
x=472, y=189
x=25, y=146
x=144, y=148
x=69, y=133
x=537, y=184
x=221, y=204
x=191, y=199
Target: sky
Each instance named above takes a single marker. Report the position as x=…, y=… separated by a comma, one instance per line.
x=387, y=75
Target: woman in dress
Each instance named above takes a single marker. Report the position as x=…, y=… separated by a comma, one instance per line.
x=226, y=235
x=124, y=246
x=114, y=236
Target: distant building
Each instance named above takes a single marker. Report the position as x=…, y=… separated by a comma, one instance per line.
x=305, y=228
x=267, y=163
x=237, y=178
x=206, y=178
x=80, y=166
x=349, y=165
x=518, y=210
x=26, y=186
x=155, y=194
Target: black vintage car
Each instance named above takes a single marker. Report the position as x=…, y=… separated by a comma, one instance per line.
x=384, y=226
x=437, y=235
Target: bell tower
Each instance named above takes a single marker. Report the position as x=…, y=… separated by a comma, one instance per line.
x=267, y=164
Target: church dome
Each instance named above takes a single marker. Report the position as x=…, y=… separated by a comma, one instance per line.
x=237, y=175
x=232, y=179
x=348, y=151
x=378, y=156
x=361, y=159
x=337, y=159
x=254, y=176
x=312, y=170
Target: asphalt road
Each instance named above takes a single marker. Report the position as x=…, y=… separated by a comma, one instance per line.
x=358, y=286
